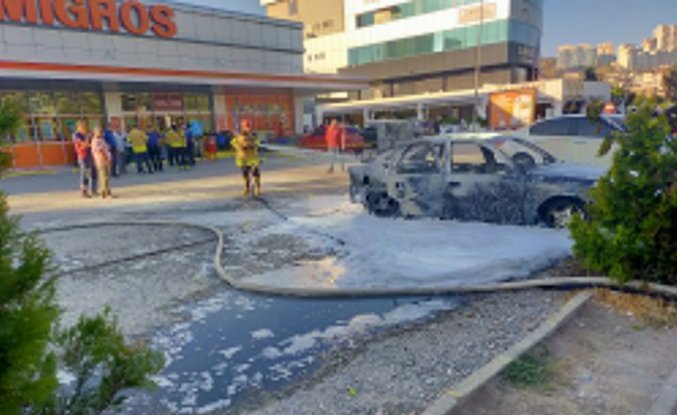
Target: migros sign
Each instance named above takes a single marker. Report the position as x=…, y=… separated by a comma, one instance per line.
x=129, y=16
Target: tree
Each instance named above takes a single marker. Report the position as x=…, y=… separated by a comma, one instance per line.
x=31, y=348
x=631, y=232
x=27, y=309
x=103, y=364
x=670, y=83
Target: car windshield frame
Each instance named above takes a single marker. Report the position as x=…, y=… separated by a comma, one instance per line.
x=547, y=157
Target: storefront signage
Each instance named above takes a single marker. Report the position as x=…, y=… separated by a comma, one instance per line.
x=128, y=16
x=167, y=102
x=512, y=109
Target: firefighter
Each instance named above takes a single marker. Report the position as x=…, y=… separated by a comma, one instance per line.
x=246, y=147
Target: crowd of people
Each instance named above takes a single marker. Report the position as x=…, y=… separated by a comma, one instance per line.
x=105, y=153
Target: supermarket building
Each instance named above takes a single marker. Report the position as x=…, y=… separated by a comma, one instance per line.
x=148, y=64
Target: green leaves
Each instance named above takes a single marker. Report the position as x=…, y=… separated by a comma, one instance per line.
x=10, y=120
x=27, y=313
x=104, y=365
x=632, y=232
x=94, y=350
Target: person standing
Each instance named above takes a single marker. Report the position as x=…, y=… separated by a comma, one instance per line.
x=173, y=142
x=82, y=142
x=102, y=154
x=335, y=137
x=246, y=147
x=139, y=141
x=189, y=155
x=109, y=137
x=154, y=152
x=120, y=150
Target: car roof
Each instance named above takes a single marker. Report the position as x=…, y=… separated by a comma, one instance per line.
x=576, y=116
x=461, y=138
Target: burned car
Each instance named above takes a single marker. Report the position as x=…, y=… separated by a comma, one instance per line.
x=473, y=180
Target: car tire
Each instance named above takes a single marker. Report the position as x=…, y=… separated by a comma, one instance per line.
x=381, y=205
x=559, y=213
x=524, y=160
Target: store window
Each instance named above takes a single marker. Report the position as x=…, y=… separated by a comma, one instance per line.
x=52, y=115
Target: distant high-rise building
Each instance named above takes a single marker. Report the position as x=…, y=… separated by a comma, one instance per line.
x=409, y=47
x=606, y=54
x=628, y=56
x=666, y=37
x=576, y=56
x=649, y=44
x=606, y=49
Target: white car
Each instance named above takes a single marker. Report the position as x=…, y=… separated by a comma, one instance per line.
x=574, y=138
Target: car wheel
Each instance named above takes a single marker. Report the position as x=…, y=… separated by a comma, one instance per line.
x=559, y=213
x=524, y=160
x=382, y=205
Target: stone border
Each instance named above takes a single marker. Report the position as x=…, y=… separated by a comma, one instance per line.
x=449, y=402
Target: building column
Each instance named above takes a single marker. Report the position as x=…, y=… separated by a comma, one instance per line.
x=557, y=108
x=220, y=112
x=299, y=107
x=113, y=108
x=420, y=112
x=367, y=115
x=319, y=115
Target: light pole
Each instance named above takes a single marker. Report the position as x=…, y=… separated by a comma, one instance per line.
x=478, y=67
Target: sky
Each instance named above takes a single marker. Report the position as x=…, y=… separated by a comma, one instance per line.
x=565, y=21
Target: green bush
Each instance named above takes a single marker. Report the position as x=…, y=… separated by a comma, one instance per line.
x=104, y=365
x=631, y=232
x=31, y=349
x=27, y=314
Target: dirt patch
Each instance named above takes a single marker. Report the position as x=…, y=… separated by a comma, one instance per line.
x=605, y=363
x=568, y=267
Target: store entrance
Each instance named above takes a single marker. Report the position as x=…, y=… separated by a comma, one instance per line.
x=163, y=122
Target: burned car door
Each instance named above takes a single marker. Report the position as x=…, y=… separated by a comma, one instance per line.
x=418, y=178
x=483, y=186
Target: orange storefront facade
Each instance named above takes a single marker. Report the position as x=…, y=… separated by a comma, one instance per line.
x=128, y=63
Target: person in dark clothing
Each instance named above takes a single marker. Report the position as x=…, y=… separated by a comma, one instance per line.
x=154, y=150
x=109, y=138
x=189, y=155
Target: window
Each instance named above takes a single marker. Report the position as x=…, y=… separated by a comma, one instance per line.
x=589, y=128
x=365, y=20
x=555, y=127
x=471, y=158
x=422, y=158
x=293, y=7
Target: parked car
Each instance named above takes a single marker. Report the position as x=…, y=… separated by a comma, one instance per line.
x=316, y=140
x=574, y=138
x=472, y=180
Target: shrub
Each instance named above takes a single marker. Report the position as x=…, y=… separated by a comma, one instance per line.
x=632, y=228
x=103, y=364
x=94, y=350
x=27, y=314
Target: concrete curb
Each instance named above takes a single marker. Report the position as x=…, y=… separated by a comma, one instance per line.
x=666, y=404
x=553, y=283
x=448, y=403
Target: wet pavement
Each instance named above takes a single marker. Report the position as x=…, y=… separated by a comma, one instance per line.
x=238, y=345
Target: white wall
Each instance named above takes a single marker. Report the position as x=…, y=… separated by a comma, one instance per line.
x=332, y=50
x=326, y=54
x=219, y=42
x=413, y=26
